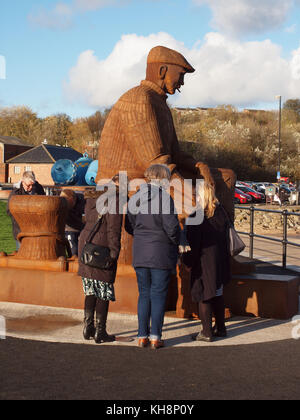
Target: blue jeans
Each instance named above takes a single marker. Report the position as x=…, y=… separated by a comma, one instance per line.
x=153, y=289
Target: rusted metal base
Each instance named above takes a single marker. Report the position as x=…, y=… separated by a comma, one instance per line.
x=20, y=263
x=185, y=307
x=59, y=285
x=62, y=289
x=263, y=295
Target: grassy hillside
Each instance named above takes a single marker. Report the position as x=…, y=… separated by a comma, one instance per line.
x=246, y=142
x=7, y=242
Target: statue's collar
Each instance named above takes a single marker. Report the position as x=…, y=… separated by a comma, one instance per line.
x=154, y=87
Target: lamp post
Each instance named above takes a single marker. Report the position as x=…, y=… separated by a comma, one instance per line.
x=279, y=136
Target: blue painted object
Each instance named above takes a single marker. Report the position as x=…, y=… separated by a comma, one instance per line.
x=91, y=173
x=81, y=166
x=63, y=172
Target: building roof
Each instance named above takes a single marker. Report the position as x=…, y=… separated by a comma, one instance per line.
x=13, y=141
x=46, y=153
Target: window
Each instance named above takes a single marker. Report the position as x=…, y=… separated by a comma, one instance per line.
x=27, y=168
x=17, y=170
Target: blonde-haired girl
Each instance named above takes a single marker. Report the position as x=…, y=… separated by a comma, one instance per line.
x=209, y=261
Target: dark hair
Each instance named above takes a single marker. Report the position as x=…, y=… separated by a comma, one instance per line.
x=70, y=194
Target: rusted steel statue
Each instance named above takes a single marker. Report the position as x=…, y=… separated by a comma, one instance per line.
x=42, y=224
x=140, y=131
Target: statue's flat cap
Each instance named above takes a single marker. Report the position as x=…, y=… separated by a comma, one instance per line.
x=167, y=56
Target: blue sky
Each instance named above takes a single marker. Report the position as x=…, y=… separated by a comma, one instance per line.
x=77, y=56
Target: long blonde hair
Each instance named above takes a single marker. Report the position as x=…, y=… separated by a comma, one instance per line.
x=210, y=200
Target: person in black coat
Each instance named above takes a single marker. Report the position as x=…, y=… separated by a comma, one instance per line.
x=98, y=284
x=27, y=186
x=209, y=261
x=154, y=224
x=74, y=223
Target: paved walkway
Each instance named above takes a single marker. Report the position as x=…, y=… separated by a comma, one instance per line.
x=44, y=357
x=48, y=360
x=125, y=376
x=271, y=252
x=65, y=326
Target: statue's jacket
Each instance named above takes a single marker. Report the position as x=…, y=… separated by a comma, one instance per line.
x=139, y=132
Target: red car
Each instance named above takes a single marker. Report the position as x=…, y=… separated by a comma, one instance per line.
x=241, y=197
x=256, y=196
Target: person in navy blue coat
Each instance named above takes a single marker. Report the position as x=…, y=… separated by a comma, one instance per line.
x=153, y=222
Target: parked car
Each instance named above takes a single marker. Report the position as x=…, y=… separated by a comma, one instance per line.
x=257, y=197
x=289, y=186
x=246, y=183
x=241, y=197
x=261, y=186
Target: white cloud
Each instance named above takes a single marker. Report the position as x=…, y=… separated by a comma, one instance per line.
x=58, y=18
x=234, y=17
x=295, y=65
x=237, y=73
x=227, y=72
x=239, y=17
x=87, y=5
x=291, y=29
x=61, y=16
x=100, y=83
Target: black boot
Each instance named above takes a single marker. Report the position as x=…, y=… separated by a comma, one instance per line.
x=218, y=306
x=101, y=335
x=89, y=327
x=89, y=310
x=205, y=314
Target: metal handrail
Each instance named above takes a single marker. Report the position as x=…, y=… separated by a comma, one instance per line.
x=284, y=241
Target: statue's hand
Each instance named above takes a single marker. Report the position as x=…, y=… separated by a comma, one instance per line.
x=205, y=173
